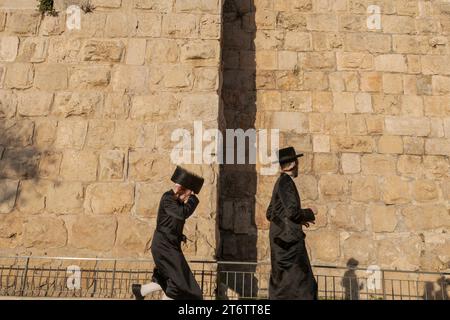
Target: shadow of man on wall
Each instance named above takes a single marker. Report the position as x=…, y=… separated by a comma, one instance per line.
x=350, y=281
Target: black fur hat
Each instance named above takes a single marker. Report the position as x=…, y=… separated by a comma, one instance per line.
x=188, y=179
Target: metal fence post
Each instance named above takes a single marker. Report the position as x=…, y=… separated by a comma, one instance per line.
x=113, y=279
x=383, y=285
x=24, y=278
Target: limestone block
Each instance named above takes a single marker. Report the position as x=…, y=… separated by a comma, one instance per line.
x=9, y=47
x=333, y=187
x=288, y=121
x=20, y=163
x=425, y=190
x=116, y=106
x=19, y=76
x=99, y=133
x=371, y=81
x=437, y=147
x=148, y=166
x=32, y=196
x=16, y=133
x=312, y=61
x=148, y=196
x=322, y=22
x=65, y=198
x=324, y=245
x=148, y=25
x=79, y=165
x=153, y=5
x=321, y=143
x=210, y=26
x=199, y=107
x=384, y=218
x=45, y=233
x=126, y=134
x=350, y=163
x=409, y=165
x=8, y=194
x=426, y=217
x=396, y=190
x=344, y=102
x=120, y=25
x=162, y=51
x=436, y=167
x=357, y=144
x=23, y=22
x=8, y=104
x=71, y=134
x=68, y=104
x=349, y=217
x=435, y=64
x=197, y=6
x=50, y=164
x=95, y=233
x=51, y=77
x=136, y=51
x=109, y=198
x=130, y=79
x=200, y=53
x=102, y=50
x=52, y=26
x=408, y=126
x=33, y=50
x=90, y=77
x=133, y=236
x=298, y=41
x=365, y=189
x=34, y=103
x=354, y=60
x=111, y=165
x=359, y=247
x=390, y=144
x=180, y=26
x=399, y=25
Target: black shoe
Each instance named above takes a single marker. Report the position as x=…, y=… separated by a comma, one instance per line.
x=136, y=288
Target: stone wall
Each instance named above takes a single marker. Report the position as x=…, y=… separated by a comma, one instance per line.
x=86, y=118
x=371, y=111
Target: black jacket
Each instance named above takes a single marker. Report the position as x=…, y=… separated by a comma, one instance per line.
x=291, y=275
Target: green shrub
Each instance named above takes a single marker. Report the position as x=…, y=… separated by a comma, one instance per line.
x=46, y=7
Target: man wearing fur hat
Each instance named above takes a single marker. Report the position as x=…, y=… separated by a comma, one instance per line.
x=291, y=275
x=172, y=273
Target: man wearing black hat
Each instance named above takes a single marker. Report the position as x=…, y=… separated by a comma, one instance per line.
x=172, y=273
x=291, y=275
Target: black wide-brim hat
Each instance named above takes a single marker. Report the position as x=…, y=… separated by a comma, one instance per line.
x=188, y=179
x=287, y=155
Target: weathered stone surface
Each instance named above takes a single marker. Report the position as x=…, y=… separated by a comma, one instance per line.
x=349, y=217
x=9, y=47
x=359, y=247
x=8, y=104
x=69, y=104
x=109, y=198
x=365, y=189
x=378, y=164
x=325, y=245
x=129, y=79
x=65, y=198
x=148, y=196
x=23, y=22
x=45, y=233
x=396, y=190
x=355, y=144
x=155, y=108
x=51, y=77
x=426, y=217
x=350, y=163
x=383, y=218
x=32, y=196
x=33, y=50
x=104, y=51
x=333, y=187
x=90, y=78
x=111, y=165
x=19, y=76
x=79, y=165
x=34, y=103
x=133, y=236
x=425, y=190
x=8, y=193
x=71, y=133
x=96, y=233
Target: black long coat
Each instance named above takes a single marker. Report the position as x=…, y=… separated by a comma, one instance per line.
x=172, y=271
x=291, y=275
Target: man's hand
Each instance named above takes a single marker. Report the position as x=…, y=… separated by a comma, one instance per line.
x=306, y=224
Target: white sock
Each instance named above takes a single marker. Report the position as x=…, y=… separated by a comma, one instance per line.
x=166, y=297
x=149, y=288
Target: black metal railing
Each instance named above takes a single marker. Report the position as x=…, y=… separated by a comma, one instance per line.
x=97, y=278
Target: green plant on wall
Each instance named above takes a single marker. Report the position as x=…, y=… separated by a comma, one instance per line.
x=46, y=7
